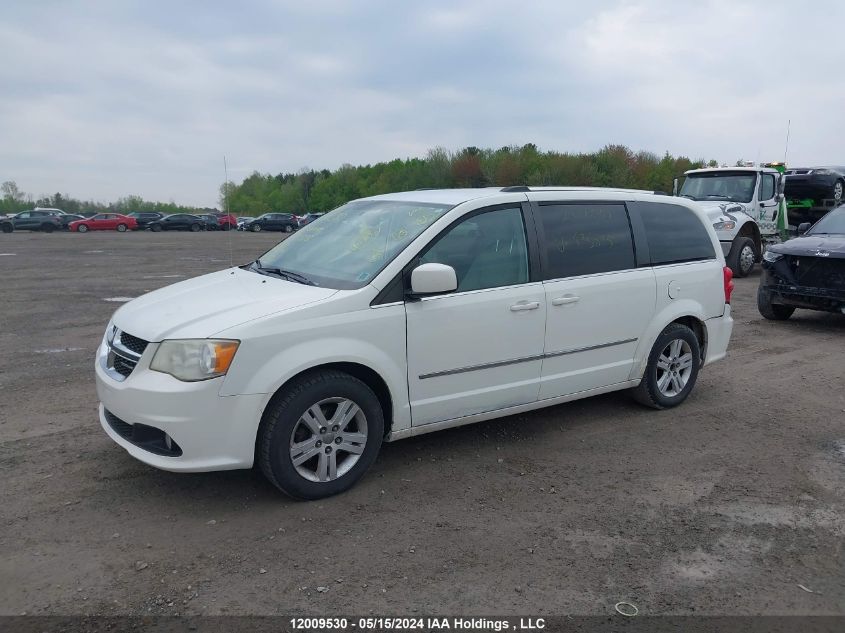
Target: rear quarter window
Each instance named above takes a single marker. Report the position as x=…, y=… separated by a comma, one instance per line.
x=585, y=239
x=674, y=234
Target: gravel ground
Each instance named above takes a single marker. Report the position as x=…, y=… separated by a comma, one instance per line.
x=726, y=505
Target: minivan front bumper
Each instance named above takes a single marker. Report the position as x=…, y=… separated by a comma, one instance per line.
x=212, y=432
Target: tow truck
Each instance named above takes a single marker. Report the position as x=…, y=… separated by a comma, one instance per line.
x=747, y=207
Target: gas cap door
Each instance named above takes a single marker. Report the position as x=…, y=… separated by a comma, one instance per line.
x=674, y=289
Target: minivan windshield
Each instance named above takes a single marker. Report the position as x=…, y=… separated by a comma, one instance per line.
x=831, y=224
x=719, y=185
x=351, y=244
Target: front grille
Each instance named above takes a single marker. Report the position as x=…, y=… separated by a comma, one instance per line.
x=147, y=437
x=133, y=343
x=123, y=366
x=818, y=272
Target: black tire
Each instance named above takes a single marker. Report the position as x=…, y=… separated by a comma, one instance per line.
x=7, y=227
x=280, y=421
x=82, y=228
x=288, y=228
x=772, y=311
x=838, y=192
x=48, y=228
x=122, y=228
x=255, y=228
x=739, y=260
x=648, y=392
x=195, y=228
x=226, y=227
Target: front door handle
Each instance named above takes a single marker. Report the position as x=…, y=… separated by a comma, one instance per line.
x=564, y=300
x=522, y=306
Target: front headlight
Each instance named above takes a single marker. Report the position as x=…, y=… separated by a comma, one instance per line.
x=771, y=257
x=194, y=359
x=725, y=225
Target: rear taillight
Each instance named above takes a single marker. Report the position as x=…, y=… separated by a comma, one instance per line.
x=729, y=283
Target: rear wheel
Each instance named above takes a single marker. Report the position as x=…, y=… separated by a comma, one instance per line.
x=320, y=435
x=195, y=228
x=121, y=228
x=82, y=228
x=741, y=257
x=288, y=228
x=48, y=228
x=672, y=368
x=772, y=311
x=839, y=191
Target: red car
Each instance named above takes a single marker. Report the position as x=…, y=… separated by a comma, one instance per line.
x=226, y=221
x=104, y=222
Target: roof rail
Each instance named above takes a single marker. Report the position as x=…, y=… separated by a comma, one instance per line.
x=515, y=189
x=660, y=193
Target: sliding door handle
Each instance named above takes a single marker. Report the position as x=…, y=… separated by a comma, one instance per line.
x=564, y=300
x=522, y=306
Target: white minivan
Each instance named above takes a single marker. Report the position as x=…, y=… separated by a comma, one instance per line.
x=406, y=313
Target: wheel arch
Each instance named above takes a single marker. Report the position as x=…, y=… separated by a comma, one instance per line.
x=684, y=312
x=365, y=374
x=751, y=230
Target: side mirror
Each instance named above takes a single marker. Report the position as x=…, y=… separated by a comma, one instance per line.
x=433, y=279
x=675, y=187
x=804, y=227
x=779, y=197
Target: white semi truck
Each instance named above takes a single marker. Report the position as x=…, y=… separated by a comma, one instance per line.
x=746, y=206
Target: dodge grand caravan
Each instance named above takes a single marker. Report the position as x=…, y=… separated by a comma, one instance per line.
x=406, y=313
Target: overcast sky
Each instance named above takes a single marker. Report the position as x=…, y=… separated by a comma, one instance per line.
x=104, y=99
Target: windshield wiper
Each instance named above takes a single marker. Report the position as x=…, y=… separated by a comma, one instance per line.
x=686, y=195
x=279, y=272
x=717, y=195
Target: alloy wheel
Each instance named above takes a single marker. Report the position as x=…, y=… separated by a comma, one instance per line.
x=746, y=259
x=674, y=367
x=328, y=439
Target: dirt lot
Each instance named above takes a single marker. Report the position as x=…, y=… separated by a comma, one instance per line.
x=723, y=506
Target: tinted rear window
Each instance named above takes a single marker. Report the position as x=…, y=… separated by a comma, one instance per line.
x=674, y=234
x=584, y=239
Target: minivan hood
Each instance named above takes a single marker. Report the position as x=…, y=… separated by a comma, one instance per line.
x=203, y=306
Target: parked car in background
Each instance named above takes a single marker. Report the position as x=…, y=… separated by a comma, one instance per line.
x=105, y=222
x=474, y=304
x=35, y=220
x=178, y=222
x=243, y=221
x=226, y=221
x=67, y=218
x=807, y=271
x=308, y=218
x=210, y=222
x=816, y=183
x=143, y=218
x=274, y=222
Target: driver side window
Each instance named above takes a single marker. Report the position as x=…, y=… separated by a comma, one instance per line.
x=487, y=250
x=767, y=187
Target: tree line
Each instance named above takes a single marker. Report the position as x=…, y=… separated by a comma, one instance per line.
x=315, y=191
x=13, y=200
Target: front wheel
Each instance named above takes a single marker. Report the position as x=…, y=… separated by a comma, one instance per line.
x=320, y=435
x=838, y=191
x=82, y=228
x=195, y=228
x=121, y=228
x=48, y=228
x=769, y=310
x=255, y=228
x=741, y=257
x=672, y=368
x=7, y=227
x=155, y=228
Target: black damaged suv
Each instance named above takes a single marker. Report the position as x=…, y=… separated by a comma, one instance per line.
x=807, y=271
